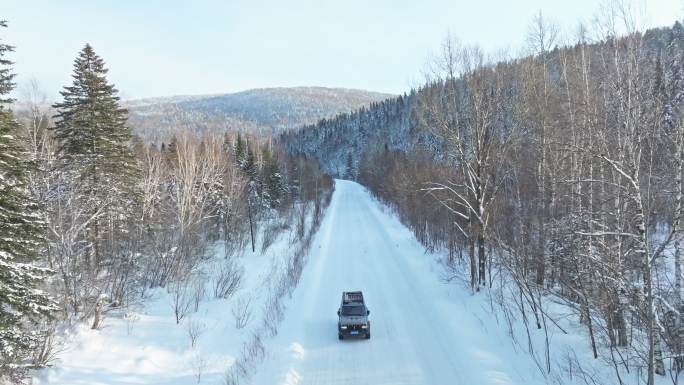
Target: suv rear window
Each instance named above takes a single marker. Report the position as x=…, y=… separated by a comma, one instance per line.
x=353, y=310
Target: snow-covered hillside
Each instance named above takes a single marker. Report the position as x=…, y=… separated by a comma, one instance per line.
x=424, y=330
x=265, y=111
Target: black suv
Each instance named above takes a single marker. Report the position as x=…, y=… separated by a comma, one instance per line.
x=353, y=316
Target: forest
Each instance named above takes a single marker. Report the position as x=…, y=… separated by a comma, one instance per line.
x=554, y=176
x=92, y=218
x=550, y=183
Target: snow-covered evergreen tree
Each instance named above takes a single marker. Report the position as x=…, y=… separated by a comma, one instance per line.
x=21, y=241
x=273, y=184
x=240, y=150
x=350, y=172
x=94, y=147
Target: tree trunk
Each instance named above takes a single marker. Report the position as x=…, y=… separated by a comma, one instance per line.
x=251, y=224
x=94, y=253
x=473, y=263
x=541, y=263
x=481, y=258
x=590, y=326
x=98, y=315
x=679, y=324
x=655, y=357
x=658, y=355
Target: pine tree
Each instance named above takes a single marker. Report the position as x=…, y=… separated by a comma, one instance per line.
x=272, y=179
x=350, y=172
x=21, y=239
x=250, y=168
x=169, y=152
x=239, y=149
x=94, y=146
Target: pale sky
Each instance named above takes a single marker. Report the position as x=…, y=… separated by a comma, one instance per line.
x=174, y=47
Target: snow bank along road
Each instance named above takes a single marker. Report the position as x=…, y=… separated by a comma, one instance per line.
x=421, y=333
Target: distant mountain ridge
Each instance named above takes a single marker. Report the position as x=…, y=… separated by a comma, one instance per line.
x=260, y=111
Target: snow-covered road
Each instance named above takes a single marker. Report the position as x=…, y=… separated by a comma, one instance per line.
x=421, y=333
x=424, y=331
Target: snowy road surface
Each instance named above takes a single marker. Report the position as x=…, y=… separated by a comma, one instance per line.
x=421, y=333
x=424, y=331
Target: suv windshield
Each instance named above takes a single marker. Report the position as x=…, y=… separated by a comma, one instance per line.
x=353, y=310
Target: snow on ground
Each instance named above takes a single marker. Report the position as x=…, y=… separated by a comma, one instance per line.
x=424, y=331
x=148, y=347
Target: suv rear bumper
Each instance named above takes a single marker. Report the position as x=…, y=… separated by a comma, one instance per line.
x=353, y=331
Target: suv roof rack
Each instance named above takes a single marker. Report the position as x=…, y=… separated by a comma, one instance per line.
x=352, y=296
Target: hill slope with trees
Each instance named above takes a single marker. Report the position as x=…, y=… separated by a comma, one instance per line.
x=260, y=111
